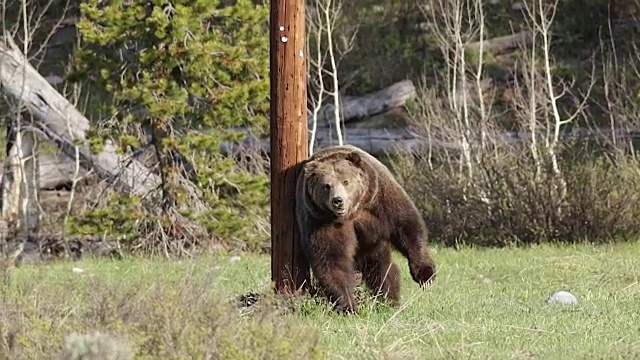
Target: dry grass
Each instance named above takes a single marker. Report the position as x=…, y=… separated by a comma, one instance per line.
x=506, y=204
x=485, y=304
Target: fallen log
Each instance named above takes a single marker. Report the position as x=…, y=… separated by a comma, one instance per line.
x=404, y=140
x=56, y=171
x=394, y=118
x=374, y=141
x=473, y=91
x=378, y=104
x=62, y=123
x=33, y=248
x=357, y=107
x=502, y=44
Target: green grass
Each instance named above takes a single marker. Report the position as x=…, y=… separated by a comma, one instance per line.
x=484, y=304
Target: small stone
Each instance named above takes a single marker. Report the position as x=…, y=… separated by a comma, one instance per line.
x=562, y=297
x=484, y=279
x=234, y=259
x=77, y=270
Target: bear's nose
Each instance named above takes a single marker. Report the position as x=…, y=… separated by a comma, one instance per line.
x=336, y=201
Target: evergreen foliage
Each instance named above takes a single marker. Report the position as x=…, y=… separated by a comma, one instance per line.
x=187, y=73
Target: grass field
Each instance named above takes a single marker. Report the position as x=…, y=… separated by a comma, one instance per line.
x=485, y=304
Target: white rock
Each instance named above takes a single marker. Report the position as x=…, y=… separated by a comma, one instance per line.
x=77, y=270
x=484, y=279
x=234, y=259
x=562, y=297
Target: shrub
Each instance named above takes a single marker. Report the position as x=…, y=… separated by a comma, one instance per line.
x=506, y=204
x=481, y=186
x=118, y=313
x=96, y=347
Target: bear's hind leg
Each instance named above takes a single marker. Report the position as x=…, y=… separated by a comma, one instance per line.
x=382, y=276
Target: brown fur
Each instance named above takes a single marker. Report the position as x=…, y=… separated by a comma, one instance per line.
x=358, y=233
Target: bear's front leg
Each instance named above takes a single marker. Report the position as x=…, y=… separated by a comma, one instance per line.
x=422, y=270
x=339, y=286
x=333, y=266
x=412, y=244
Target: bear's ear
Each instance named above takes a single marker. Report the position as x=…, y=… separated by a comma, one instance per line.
x=354, y=158
x=310, y=167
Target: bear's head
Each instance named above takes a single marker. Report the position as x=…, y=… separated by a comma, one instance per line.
x=337, y=184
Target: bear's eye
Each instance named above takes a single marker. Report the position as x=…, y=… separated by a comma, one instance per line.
x=346, y=182
x=326, y=187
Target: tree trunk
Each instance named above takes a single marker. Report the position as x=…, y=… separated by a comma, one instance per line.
x=20, y=208
x=168, y=170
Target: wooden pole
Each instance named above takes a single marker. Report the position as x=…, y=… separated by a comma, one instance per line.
x=289, y=144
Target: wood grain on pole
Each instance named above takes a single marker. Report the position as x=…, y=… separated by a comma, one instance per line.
x=289, y=145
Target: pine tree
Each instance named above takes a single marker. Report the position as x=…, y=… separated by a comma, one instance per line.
x=187, y=72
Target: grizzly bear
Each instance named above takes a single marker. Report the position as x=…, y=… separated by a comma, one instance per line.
x=351, y=211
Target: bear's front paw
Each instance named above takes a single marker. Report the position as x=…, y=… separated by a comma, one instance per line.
x=424, y=273
x=346, y=307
